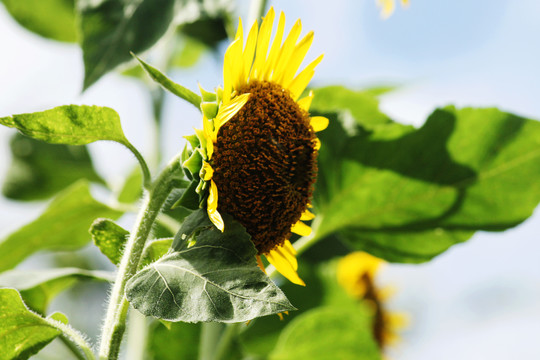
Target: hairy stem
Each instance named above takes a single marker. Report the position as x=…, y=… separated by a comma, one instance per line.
x=74, y=339
x=115, y=320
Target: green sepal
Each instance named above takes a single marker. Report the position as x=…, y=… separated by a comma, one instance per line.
x=209, y=109
x=194, y=164
x=207, y=96
x=186, y=153
x=193, y=140
x=190, y=198
x=202, y=140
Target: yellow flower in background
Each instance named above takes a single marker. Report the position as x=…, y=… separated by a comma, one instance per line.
x=259, y=148
x=388, y=7
x=356, y=274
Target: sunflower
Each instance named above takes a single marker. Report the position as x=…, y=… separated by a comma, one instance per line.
x=356, y=273
x=258, y=148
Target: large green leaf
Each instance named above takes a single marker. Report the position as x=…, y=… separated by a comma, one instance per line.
x=39, y=287
x=215, y=279
x=328, y=333
x=111, y=29
x=407, y=195
x=54, y=19
x=63, y=226
x=39, y=170
x=110, y=238
x=70, y=124
x=22, y=332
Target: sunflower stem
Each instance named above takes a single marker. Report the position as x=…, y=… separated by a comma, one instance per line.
x=115, y=320
x=211, y=333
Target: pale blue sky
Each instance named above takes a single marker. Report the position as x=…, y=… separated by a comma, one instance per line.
x=477, y=301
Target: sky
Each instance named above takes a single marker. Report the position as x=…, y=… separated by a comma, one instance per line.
x=478, y=300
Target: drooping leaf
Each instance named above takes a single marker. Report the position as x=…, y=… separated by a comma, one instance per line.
x=408, y=194
x=39, y=170
x=22, y=332
x=328, y=333
x=111, y=29
x=39, y=287
x=63, y=226
x=110, y=238
x=216, y=279
x=168, y=84
x=53, y=19
x=70, y=124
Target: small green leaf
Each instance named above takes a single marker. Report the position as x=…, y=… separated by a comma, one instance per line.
x=22, y=332
x=53, y=19
x=70, y=124
x=39, y=170
x=131, y=190
x=217, y=279
x=111, y=29
x=63, y=226
x=39, y=287
x=408, y=194
x=156, y=249
x=110, y=238
x=328, y=333
x=168, y=84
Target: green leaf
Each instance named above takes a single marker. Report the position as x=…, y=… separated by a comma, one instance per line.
x=217, y=279
x=63, y=226
x=407, y=195
x=131, y=190
x=110, y=238
x=39, y=170
x=170, y=85
x=156, y=249
x=111, y=29
x=70, y=124
x=39, y=287
x=178, y=342
x=328, y=333
x=362, y=105
x=22, y=332
x=53, y=19
x=189, y=54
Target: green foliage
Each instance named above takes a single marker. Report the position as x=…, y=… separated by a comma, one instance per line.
x=216, y=279
x=111, y=29
x=131, y=190
x=408, y=194
x=39, y=170
x=180, y=341
x=22, y=332
x=170, y=85
x=39, y=287
x=110, y=238
x=63, y=226
x=37, y=15
x=70, y=124
x=328, y=333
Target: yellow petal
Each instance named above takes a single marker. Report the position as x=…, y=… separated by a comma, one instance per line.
x=262, y=44
x=301, y=229
x=387, y=7
x=231, y=67
x=298, y=55
x=286, y=52
x=307, y=215
x=305, y=102
x=248, y=54
x=298, y=85
x=226, y=112
x=288, y=246
x=260, y=263
x=207, y=171
x=319, y=123
x=284, y=267
x=287, y=255
x=212, y=204
x=274, y=50
x=317, y=144
x=405, y=3
x=239, y=31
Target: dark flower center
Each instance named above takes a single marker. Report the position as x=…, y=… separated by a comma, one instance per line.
x=265, y=164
